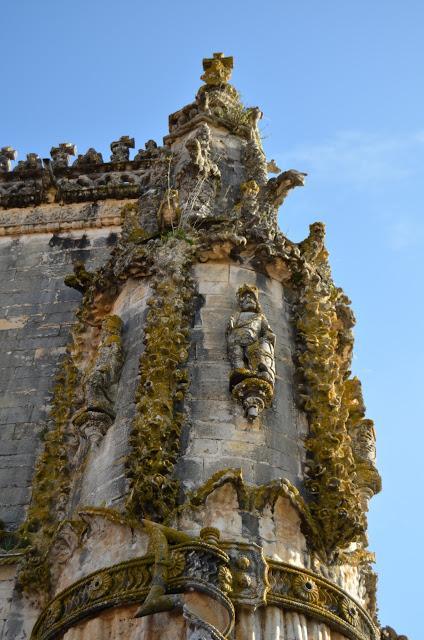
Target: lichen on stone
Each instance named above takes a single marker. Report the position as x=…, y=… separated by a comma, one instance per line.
x=324, y=328
x=155, y=436
x=51, y=484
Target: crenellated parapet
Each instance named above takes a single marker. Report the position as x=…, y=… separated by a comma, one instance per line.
x=88, y=178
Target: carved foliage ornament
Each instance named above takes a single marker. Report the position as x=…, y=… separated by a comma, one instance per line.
x=251, y=342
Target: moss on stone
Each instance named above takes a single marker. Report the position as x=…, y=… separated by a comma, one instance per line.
x=51, y=484
x=156, y=429
x=324, y=323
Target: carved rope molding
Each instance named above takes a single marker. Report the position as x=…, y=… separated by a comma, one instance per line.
x=240, y=572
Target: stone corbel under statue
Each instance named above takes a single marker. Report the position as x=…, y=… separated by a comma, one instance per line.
x=251, y=343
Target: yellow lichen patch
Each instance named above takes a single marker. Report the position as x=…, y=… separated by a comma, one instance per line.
x=51, y=483
x=324, y=323
x=131, y=228
x=155, y=437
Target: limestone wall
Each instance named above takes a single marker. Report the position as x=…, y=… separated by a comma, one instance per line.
x=37, y=311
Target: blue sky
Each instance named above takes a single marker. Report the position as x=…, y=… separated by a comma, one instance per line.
x=340, y=84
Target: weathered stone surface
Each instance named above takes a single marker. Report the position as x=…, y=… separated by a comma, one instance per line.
x=276, y=449
x=41, y=310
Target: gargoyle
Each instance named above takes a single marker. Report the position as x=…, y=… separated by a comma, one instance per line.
x=276, y=189
x=80, y=279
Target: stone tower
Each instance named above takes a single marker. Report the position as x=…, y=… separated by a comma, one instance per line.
x=185, y=454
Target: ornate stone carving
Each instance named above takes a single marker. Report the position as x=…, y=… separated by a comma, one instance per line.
x=155, y=437
x=217, y=69
x=7, y=154
x=99, y=383
x=61, y=155
x=169, y=210
x=131, y=581
x=121, y=149
x=274, y=191
x=251, y=343
x=197, y=177
x=254, y=161
x=339, y=480
x=184, y=187
x=193, y=565
x=33, y=162
x=301, y=590
x=272, y=167
x=248, y=570
x=90, y=157
x=150, y=150
x=362, y=433
x=198, y=629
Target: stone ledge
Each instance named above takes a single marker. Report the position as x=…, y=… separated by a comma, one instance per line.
x=56, y=218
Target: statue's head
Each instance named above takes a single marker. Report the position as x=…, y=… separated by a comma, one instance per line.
x=248, y=298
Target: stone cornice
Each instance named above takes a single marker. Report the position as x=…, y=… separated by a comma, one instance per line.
x=78, y=183
x=51, y=218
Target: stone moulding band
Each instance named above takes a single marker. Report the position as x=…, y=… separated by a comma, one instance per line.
x=192, y=567
x=306, y=592
x=202, y=567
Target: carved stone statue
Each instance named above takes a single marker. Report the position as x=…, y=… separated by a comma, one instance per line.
x=99, y=383
x=198, y=176
x=364, y=453
x=121, y=149
x=363, y=442
x=251, y=343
